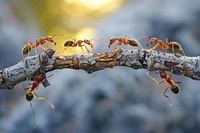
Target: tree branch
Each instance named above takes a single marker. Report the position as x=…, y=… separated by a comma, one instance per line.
x=136, y=59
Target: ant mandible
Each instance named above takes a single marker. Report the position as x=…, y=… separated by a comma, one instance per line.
x=74, y=43
x=32, y=94
x=126, y=40
x=43, y=40
x=168, y=45
x=169, y=83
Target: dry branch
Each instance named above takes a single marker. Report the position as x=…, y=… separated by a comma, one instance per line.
x=136, y=59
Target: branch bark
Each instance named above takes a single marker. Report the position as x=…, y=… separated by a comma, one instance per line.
x=136, y=59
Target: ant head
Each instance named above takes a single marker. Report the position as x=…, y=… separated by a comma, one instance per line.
x=68, y=43
x=87, y=41
x=152, y=40
x=29, y=96
x=175, y=89
x=112, y=40
x=132, y=42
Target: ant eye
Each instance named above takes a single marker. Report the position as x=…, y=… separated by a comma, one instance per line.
x=29, y=96
x=175, y=89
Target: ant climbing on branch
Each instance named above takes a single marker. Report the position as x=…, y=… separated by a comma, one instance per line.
x=43, y=40
x=169, y=83
x=168, y=45
x=74, y=43
x=32, y=94
x=126, y=40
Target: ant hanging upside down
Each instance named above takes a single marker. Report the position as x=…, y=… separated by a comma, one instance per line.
x=168, y=45
x=169, y=84
x=74, y=43
x=32, y=94
x=44, y=40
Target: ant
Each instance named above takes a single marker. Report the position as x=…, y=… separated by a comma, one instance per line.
x=74, y=43
x=43, y=40
x=126, y=40
x=32, y=94
x=168, y=45
x=169, y=83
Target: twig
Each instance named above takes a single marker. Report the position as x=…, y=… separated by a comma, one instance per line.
x=136, y=59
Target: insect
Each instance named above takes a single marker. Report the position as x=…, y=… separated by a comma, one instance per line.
x=126, y=41
x=74, y=43
x=43, y=40
x=32, y=94
x=168, y=45
x=169, y=83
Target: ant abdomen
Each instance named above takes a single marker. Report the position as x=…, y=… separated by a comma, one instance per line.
x=26, y=49
x=175, y=89
x=68, y=43
x=29, y=96
x=133, y=42
x=175, y=45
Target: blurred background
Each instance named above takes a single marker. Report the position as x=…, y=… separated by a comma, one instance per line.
x=118, y=100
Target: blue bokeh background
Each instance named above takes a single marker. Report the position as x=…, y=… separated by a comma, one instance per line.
x=118, y=100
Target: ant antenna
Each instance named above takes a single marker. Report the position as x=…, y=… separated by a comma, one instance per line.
x=42, y=98
x=143, y=37
x=58, y=35
x=33, y=114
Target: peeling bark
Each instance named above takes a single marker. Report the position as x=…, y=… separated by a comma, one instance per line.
x=136, y=59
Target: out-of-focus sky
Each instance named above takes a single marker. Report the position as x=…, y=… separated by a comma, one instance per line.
x=75, y=18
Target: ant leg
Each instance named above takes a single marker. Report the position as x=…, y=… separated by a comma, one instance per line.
x=20, y=86
x=116, y=46
x=170, y=101
x=85, y=48
x=50, y=76
x=42, y=98
x=47, y=45
x=33, y=114
x=154, y=80
x=31, y=45
x=153, y=48
x=82, y=50
x=42, y=48
x=92, y=47
x=181, y=49
x=69, y=50
x=64, y=50
x=35, y=51
x=27, y=79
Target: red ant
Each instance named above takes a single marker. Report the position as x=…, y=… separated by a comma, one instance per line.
x=44, y=40
x=169, y=83
x=168, y=45
x=74, y=43
x=126, y=40
x=32, y=94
